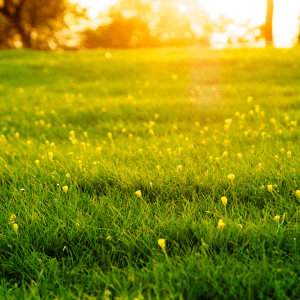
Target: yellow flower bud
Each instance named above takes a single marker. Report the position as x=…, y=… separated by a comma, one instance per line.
x=270, y=187
x=162, y=243
x=231, y=177
x=139, y=193
x=65, y=188
x=15, y=227
x=221, y=224
x=224, y=200
x=13, y=218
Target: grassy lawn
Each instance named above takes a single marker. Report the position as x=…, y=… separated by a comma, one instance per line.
x=114, y=174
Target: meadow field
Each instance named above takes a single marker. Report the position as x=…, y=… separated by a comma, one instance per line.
x=150, y=174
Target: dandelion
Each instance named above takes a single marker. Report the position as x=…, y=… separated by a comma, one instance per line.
x=98, y=149
x=130, y=136
x=162, y=243
x=231, y=177
x=239, y=155
x=221, y=224
x=109, y=135
x=140, y=150
x=85, y=134
x=139, y=193
x=68, y=175
x=74, y=142
x=282, y=150
x=17, y=135
x=276, y=218
x=13, y=218
x=15, y=227
x=108, y=238
x=37, y=162
x=151, y=131
x=217, y=159
x=298, y=193
x=225, y=154
x=276, y=157
x=289, y=154
x=124, y=130
x=270, y=187
x=280, y=131
x=70, y=153
x=50, y=155
x=224, y=200
x=158, y=167
x=65, y=188
x=52, y=145
x=156, y=116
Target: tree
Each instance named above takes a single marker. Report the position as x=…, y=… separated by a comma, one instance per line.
x=35, y=21
x=136, y=23
x=269, y=22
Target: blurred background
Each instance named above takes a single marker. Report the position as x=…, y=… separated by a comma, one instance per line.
x=90, y=24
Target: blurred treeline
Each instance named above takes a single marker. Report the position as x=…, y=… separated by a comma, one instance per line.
x=61, y=24
x=138, y=23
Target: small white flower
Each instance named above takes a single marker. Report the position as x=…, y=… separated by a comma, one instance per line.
x=22, y=190
x=151, y=184
x=58, y=184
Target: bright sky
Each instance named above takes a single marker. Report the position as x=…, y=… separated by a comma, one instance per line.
x=286, y=13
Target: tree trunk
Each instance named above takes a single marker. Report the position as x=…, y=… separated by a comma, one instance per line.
x=269, y=22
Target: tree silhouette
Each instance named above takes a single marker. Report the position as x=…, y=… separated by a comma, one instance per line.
x=35, y=21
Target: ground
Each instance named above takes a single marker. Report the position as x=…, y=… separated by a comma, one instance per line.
x=150, y=174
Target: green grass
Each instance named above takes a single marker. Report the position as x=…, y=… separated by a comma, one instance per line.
x=170, y=136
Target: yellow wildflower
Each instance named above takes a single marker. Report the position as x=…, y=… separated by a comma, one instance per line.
x=276, y=157
x=298, y=193
x=276, y=218
x=231, y=177
x=289, y=154
x=139, y=193
x=65, y=188
x=224, y=200
x=109, y=135
x=239, y=155
x=50, y=155
x=13, y=218
x=225, y=154
x=162, y=243
x=15, y=227
x=270, y=187
x=221, y=224
x=37, y=162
